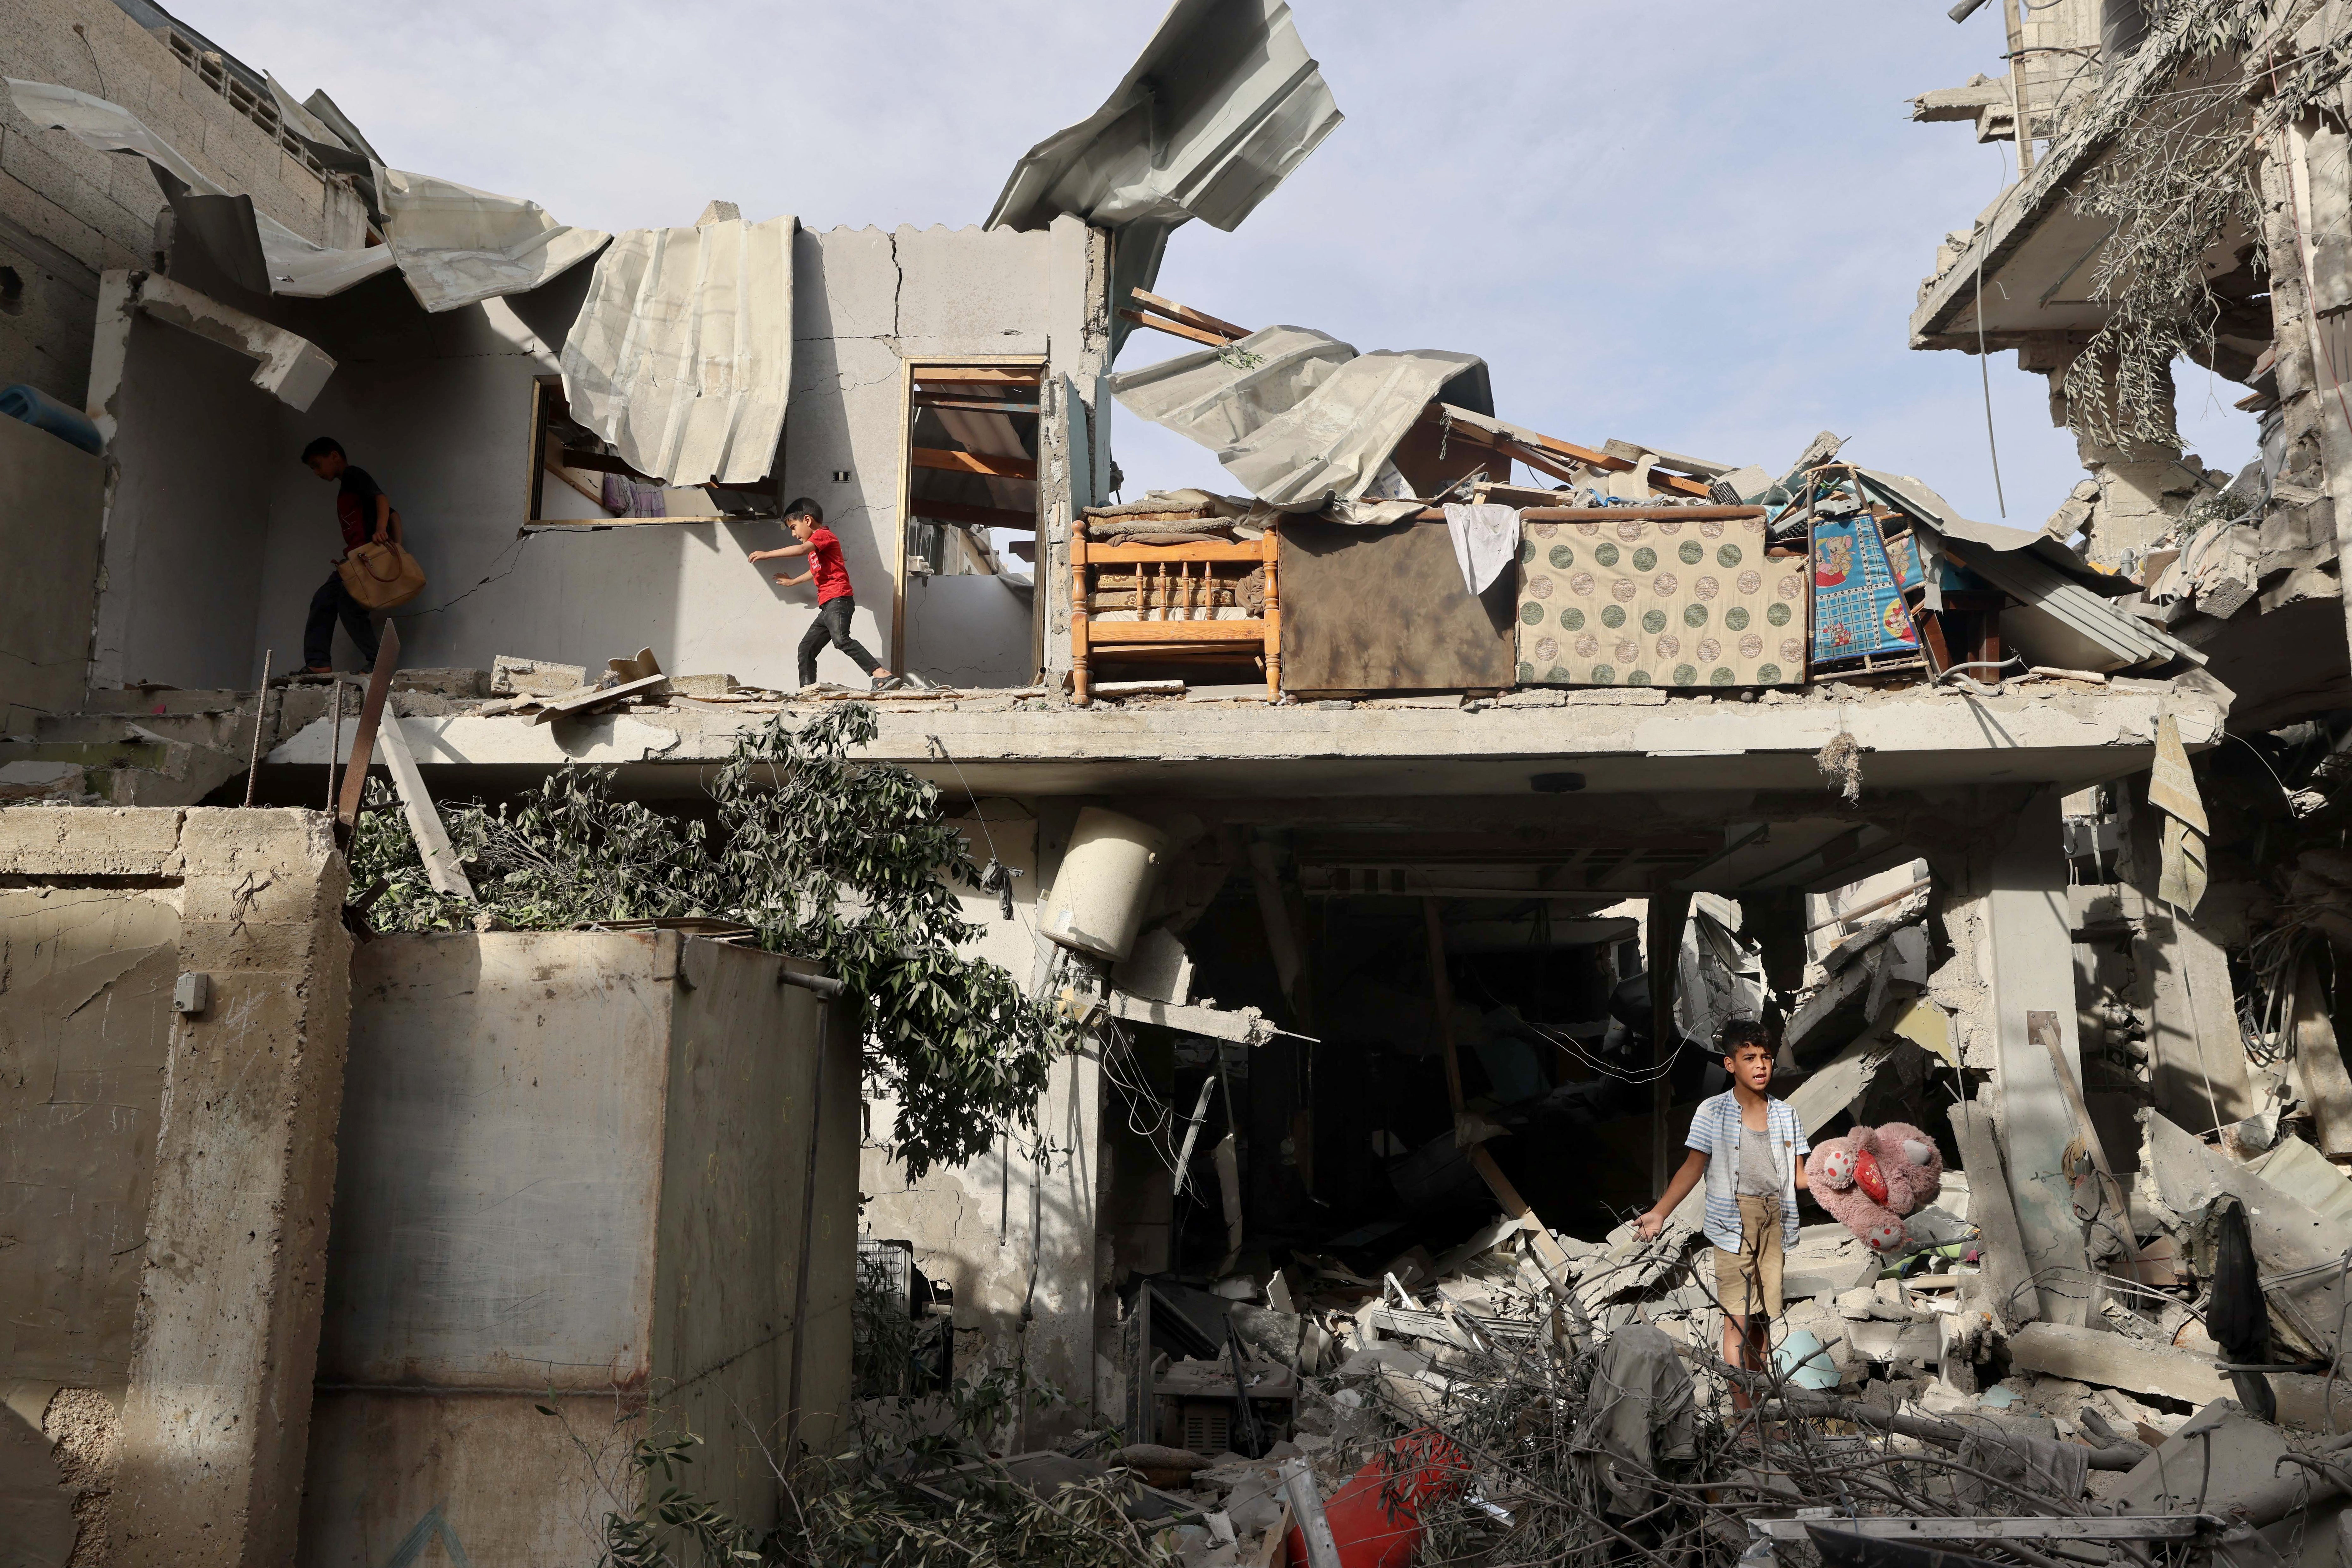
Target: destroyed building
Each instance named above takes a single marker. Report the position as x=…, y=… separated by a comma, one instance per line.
x=1399, y=826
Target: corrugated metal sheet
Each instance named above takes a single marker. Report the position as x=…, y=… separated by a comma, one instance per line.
x=682, y=356
x=455, y=245
x=1296, y=415
x=296, y=266
x=1222, y=105
x=458, y=245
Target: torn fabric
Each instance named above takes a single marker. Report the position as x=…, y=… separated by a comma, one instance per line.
x=458, y=245
x=1298, y=416
x=1222, y=104
x=295, y=266
x=1485, y=538
x=2172, y=790
x=1638, y=1412
x=682, y=355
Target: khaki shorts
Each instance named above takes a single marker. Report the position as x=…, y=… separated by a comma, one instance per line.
x=1748, y=1282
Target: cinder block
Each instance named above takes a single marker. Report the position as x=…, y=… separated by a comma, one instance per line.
x=90, y=842
x=27, y=207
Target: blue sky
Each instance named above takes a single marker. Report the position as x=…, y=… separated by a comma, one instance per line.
x=1696, y=225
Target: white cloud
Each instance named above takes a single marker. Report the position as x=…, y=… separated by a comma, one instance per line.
x=1697, y=224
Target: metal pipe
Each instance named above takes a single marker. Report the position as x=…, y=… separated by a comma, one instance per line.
x=825, y=985
x=260, y=711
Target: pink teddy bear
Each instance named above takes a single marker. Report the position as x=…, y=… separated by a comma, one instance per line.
x=1871, y=1178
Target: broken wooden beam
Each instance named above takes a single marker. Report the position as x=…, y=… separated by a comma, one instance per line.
x=2004, y=1285
x=442, y=868
x=356, y=770
x=978, y=374
x=2319, y=1061
x=1186, y=314
x=987, y=463
x=1175, y=329
x=974, y=516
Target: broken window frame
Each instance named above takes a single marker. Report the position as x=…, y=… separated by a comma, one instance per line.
x=1034, y=372
x=539, y=471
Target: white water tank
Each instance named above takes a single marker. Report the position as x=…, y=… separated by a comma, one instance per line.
x=1104, y=883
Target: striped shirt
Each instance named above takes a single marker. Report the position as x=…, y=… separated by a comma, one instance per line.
x=1715, y=1131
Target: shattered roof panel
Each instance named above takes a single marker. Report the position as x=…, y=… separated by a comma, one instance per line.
x=1298, y=416
x=455, y=245
x=1223, y=102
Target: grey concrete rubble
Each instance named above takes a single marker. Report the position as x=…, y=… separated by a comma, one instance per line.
x=1400, y=843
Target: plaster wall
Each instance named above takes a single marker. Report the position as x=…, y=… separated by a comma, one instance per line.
x=50, y=496
x=68, y=212
x=969, y=632
x=201, y=1429
x=575, y=1171
x=187, y=525
x=86, y=978
x=437, y=409
x=988, y=1226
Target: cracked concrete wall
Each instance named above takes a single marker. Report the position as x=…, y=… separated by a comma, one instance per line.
x=213, y=1379
x=2003, y=893
x=437, y=408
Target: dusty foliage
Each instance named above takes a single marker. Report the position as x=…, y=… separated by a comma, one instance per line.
x=917, y=1495
x=851, y=864
x=2178, y=179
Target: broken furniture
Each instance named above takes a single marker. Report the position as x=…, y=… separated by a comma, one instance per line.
x=1199, y=601
x=1380, y=609
x=1657, y=595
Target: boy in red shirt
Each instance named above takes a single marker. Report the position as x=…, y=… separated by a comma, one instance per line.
x=835, y=602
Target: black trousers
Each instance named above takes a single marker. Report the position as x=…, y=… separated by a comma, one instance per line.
x=331, y=603
x=832, y=625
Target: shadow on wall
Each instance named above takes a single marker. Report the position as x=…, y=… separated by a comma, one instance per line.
x=972, y=632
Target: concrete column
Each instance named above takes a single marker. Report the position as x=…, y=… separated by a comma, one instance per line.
x=216, y=1423
x=2031, y=970
x=2314, y=400
x=2141, y=488
x=1078, y=352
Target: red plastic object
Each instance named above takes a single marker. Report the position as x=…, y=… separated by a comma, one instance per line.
x=1869, y=1177
x=1372, y=1531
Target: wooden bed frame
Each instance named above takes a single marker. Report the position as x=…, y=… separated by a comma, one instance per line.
x=1173, y=640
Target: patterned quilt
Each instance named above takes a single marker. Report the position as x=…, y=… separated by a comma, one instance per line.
x=1655, y=602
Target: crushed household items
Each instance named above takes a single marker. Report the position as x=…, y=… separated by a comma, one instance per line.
x=1943, y=1373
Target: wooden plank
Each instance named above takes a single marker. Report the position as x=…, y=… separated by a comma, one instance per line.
x=441, y=866
x=1552, y=446
x=1103, y=631
x=978, y=375
x=379, y=688
x=979, y=516
x=593, y=697
x=1128, y=554
x=984, y=463
x=2044, y=1027
x=1188, y=315
x=2004, y=1285
x=1174, y=328
x=2319, y=1061
x=975, y=404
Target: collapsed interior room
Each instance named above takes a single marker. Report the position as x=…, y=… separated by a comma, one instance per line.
x=1437, y=966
